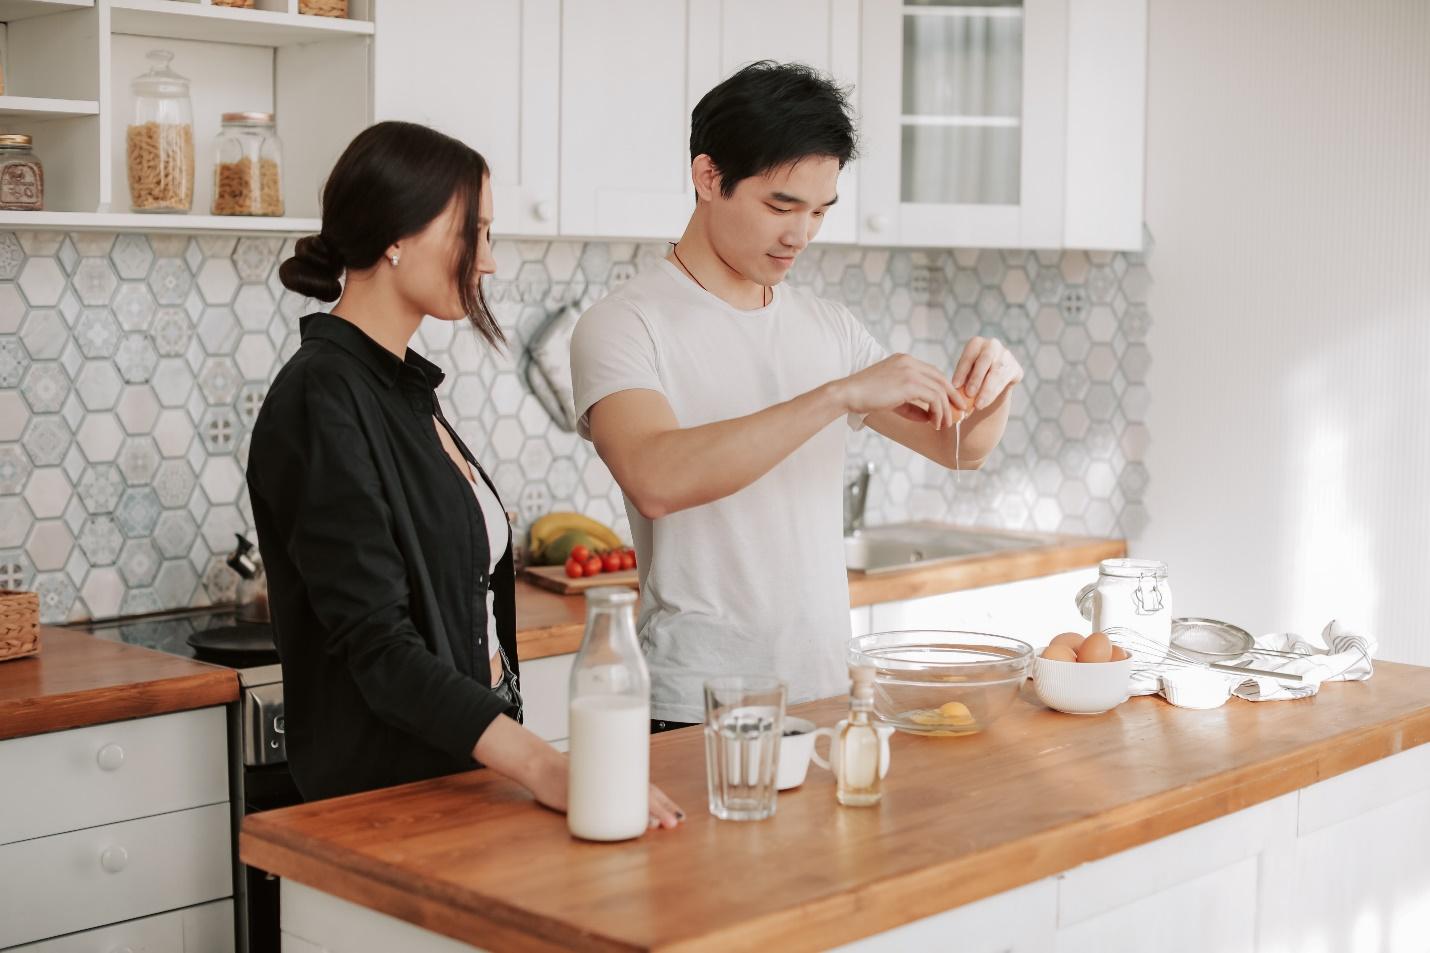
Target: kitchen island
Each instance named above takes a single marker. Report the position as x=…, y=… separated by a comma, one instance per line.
x=1146, y=828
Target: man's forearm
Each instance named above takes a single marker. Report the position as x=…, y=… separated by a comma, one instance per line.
x=677, y=469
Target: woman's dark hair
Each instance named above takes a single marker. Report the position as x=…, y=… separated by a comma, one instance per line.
x=770, y=115
x=389, y=183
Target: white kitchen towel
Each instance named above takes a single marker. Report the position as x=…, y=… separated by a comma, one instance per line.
x=1342, y=653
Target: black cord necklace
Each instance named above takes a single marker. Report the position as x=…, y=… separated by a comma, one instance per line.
x=766, y=293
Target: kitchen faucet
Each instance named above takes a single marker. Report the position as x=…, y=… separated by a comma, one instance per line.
x=856, y=496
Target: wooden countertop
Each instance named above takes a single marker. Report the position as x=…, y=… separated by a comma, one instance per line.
x=551, y=624
x=472, y=857
x=79, y=680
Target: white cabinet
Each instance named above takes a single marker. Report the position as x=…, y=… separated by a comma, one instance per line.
x=485, y=72
x=545, y=696
x=115, y=822
x=100, y=875
x=84, y=777
x=629, y=81
x=206, y=928
x=1003, y=123
x=1023, y=920
x=1033, y=610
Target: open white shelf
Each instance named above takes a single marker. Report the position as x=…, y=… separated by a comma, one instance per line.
x=11, y=10
x=135, y=222
x=72, y=64
x=170, y=19
x=35, y=107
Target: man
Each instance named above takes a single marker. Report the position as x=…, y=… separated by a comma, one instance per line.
x=719, y=398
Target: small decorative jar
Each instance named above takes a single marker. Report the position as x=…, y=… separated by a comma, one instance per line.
x=22, y=178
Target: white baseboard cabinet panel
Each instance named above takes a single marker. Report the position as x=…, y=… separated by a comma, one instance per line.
x=207, y=928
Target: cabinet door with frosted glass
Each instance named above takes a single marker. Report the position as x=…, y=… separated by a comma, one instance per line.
x=964, y=107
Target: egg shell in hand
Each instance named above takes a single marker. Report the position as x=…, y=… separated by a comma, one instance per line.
x=1096, y=648
x=1059, y=653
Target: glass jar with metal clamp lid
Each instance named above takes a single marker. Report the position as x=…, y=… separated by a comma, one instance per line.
x=1130, y=593
x=22, y=178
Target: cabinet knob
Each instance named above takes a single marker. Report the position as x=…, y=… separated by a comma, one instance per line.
x=114, y=859
x=110, y=757
x=543, y=211
x=878, y=223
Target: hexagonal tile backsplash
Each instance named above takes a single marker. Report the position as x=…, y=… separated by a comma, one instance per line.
x=133, y=366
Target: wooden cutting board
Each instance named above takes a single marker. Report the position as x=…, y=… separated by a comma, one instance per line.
x=555, y=579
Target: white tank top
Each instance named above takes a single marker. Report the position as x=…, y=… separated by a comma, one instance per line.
x=498, y=537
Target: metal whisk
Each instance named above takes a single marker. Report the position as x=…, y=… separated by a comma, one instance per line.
x=1156, y=656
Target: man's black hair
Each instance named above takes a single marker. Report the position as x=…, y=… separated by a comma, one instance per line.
x=770, y=115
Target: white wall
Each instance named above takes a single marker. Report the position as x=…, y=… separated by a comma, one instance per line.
x=1289, y=197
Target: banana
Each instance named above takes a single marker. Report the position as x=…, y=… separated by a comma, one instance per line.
x=554, y=525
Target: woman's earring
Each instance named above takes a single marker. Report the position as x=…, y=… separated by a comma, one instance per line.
x=393, y=259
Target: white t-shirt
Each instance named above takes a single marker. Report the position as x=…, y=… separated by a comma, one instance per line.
x=754, y=583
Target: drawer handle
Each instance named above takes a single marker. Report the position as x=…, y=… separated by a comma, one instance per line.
x=110, y=757
x=114, y=859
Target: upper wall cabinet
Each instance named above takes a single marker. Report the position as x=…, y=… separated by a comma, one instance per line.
x=632, y=72
x=486, y=72
x=1003, y=123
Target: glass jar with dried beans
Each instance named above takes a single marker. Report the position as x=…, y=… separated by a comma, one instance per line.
x=248, y=166
x=160, y=142
x=22, y=178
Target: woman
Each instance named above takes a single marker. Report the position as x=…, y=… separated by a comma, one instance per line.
x=387, y=550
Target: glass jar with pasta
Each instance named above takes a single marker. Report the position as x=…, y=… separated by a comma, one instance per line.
x=248, y=165
x=159, y=145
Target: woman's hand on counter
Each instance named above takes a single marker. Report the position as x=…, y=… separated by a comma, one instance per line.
x=511, y=750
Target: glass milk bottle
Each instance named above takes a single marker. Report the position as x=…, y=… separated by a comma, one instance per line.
x=860, y=749
x=609, y=793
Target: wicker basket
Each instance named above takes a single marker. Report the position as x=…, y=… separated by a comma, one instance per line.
x=246, y=4
x=324, y=8
x=19, y=624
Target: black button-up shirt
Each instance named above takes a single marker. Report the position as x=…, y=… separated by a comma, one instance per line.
x=377, y=560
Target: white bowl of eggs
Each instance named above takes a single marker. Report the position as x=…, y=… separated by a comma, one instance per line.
x=1082, y=676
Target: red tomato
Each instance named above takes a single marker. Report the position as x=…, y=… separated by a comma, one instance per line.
x=611, y=561
x=593, y=566
x=628, y=560
x=633, y=557
x=580, y=554
x=574, y=569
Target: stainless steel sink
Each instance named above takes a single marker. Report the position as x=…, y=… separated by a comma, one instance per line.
x=897, y=546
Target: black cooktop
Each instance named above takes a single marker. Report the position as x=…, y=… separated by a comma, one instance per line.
x=170, y=632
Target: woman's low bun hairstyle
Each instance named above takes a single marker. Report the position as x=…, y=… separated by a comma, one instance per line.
x=314, y=269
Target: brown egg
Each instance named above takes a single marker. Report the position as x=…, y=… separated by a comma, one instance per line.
x=1119, y=654
x=1096, y=648
x=1070, y=639
x=1059, y=653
